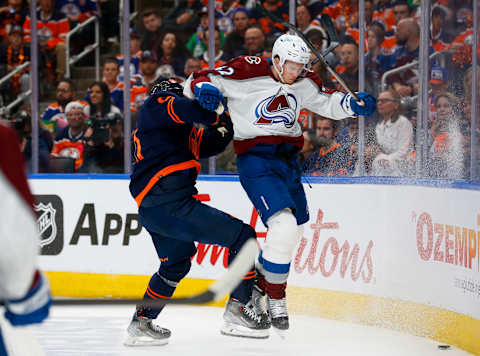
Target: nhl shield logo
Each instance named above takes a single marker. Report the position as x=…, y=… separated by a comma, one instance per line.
x=49, y=210
x=46, y=223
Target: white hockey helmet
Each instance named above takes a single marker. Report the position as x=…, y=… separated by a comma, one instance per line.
x=291, y=48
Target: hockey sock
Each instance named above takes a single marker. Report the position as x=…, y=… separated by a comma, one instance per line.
x=158, y=288
x=273, y=290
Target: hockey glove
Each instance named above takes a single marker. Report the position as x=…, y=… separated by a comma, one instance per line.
x=208, y=96
x=33, y=307
x=369, y=107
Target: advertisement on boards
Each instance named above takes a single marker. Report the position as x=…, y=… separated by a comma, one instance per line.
x=418, y=244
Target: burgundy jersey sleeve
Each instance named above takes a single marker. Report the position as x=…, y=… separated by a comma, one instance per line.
x=243, y=67
x=12, y=163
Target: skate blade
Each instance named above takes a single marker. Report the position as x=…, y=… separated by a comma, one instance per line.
x=230, y=329
x=144, y=341
x=283, y=333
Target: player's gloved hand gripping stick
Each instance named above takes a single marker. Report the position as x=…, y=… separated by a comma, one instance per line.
x=361, y=103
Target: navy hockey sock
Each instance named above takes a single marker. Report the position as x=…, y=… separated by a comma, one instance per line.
x=158, y=288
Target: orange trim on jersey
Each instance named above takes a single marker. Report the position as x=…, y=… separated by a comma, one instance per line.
x=162, y=100
x=154, y=295
x=165, y=172
x=195, y=141
x=138, y=147
x=172, y=113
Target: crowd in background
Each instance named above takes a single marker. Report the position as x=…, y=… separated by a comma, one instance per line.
x=84, y=133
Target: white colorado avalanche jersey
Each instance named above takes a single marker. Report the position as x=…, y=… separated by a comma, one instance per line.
x=261, y=106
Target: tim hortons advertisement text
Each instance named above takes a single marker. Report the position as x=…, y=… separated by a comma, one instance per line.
x=325, y=256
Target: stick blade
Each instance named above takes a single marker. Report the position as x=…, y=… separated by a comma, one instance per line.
x=328, y=25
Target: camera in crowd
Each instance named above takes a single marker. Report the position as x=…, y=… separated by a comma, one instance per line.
x=101, y=126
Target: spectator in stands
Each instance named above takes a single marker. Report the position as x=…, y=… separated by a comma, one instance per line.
x=349, y=60
x=197, y=44
x=267, y=25
x=171, y=52
x=374, y=58
x=192, y=65
x=219, y=61
x=111, y=71
x=349, y=137
x=235, y=42
x=148, y=73
x=383, y=13
x=52, y=27
x=310, y=145
x=408, y=40
x=13, y=14
x=135, y=54
x=394, y=134
x=344, y=13
x=154, y=30
x=353, y=30
x=438, y=85
x=438, y=80
x=78, y=11
x=402, y=10
x=22, y=123
x=254, y=41
x=440, y=38
x=332, y=158
x=13, y=54
x=103, y=150
x=224, y=11
x=315, y=7
x=100, y=102
x=69, y=141
x=303, y=18
x=183, y=19
x=446, y=156
x=320, y=41
x=54, y=117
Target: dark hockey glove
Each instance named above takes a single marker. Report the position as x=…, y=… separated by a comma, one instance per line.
x=224, y=126
x=34, y=306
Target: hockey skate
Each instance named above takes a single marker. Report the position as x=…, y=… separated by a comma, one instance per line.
x=242, y=320
x=142, y=332
x=277, y=309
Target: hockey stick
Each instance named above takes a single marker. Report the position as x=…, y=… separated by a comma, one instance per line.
x=315, y=51
x=242, y=263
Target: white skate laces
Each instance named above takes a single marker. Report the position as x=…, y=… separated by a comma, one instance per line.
x=249, y=310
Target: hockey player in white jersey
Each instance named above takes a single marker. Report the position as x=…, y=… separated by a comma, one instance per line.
x=23, y=289
x=264, y=99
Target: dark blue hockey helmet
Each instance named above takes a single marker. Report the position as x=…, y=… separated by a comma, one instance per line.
x=166, y=84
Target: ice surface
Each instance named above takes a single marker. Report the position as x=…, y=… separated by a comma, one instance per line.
x=99, y=330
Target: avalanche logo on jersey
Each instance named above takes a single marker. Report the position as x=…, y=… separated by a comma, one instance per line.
x=278, y=108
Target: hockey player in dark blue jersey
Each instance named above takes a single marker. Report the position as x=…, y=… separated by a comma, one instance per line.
x=167, y=148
